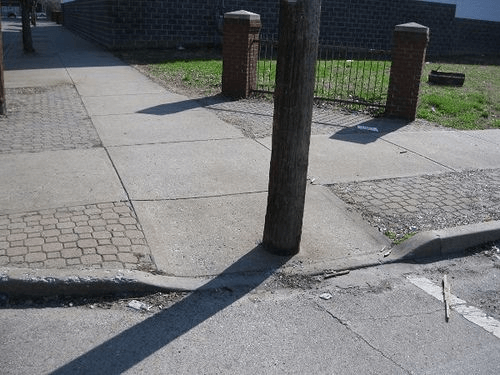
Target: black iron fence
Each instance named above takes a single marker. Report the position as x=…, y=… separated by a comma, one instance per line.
x=343, y=74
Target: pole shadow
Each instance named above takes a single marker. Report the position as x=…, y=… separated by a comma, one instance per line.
x=132, y=346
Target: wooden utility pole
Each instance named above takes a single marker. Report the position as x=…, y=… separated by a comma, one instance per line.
x=293, y=102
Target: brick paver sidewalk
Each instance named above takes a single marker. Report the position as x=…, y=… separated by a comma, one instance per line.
x=414, y=204
x=109, y=234
x=104, y=235
x=46, y=119
x=93, y=235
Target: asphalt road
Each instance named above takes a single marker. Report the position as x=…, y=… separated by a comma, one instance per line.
x=370, y=321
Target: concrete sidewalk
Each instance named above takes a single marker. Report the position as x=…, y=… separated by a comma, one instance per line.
x=111, y=179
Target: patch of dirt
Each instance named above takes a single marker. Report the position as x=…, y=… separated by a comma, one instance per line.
x=155, y=302
x=28, y=90
x=292, y=281
x=379, y=287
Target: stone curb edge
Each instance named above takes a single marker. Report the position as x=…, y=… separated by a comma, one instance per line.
x=92, y=282
x=23, y=282
x=89, y=282
x=446, y=242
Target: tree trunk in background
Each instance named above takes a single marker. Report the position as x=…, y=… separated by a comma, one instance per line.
x=3, y=107
x=293, y=102
x=26, y=6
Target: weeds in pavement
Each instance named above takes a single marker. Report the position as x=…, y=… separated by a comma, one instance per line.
x=396, y=240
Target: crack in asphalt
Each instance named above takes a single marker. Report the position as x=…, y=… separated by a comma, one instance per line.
x=347, y=326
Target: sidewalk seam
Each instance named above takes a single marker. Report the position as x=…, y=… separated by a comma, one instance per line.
x=422, y=156
x=131, y=204
x=201, y=197
x=175, y=142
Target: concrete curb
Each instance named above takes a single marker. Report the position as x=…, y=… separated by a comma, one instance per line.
x=23, y=282
x=91, y=282
x=45, y=282
x=445, y=242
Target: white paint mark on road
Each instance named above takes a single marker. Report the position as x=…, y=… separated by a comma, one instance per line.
x=471, y=313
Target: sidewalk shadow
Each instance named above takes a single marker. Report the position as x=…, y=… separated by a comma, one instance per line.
x=132, y=346
x=171, y=108
x=55, y=47
x=369, y=131
x=188, y=104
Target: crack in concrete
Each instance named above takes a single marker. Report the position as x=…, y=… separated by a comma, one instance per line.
x=348, y=327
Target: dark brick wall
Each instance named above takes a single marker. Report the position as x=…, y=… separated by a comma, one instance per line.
x=157, y=23
x=119, y=24
x=91, y=19
x=477, y=37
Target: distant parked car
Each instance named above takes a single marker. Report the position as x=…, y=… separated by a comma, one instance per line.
x=41, y=15
x=12, y=15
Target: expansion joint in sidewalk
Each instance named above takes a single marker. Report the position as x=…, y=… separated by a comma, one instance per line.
x=201, y=196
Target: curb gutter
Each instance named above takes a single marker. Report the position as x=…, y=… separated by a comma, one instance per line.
x=44, y=282
x=91, y=282
x=445, y=242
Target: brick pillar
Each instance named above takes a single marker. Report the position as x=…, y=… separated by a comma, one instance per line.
x=240, y=53
x=408, y=58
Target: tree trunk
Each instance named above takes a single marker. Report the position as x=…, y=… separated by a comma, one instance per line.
x=3, y=107
x=293, y=102
x=25, y=16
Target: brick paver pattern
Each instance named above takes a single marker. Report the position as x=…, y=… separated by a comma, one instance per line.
x=105, y=235
x=424, y=202
x=46, y=119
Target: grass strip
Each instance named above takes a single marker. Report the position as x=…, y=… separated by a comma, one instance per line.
x=476, y=105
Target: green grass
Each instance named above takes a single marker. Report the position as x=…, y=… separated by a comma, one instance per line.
x=266, y=74
x=203, y=75
x=476, y=105
x=365, y=81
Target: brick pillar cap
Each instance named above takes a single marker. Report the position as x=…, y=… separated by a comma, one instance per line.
x=413, y=27
x=242, y=15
